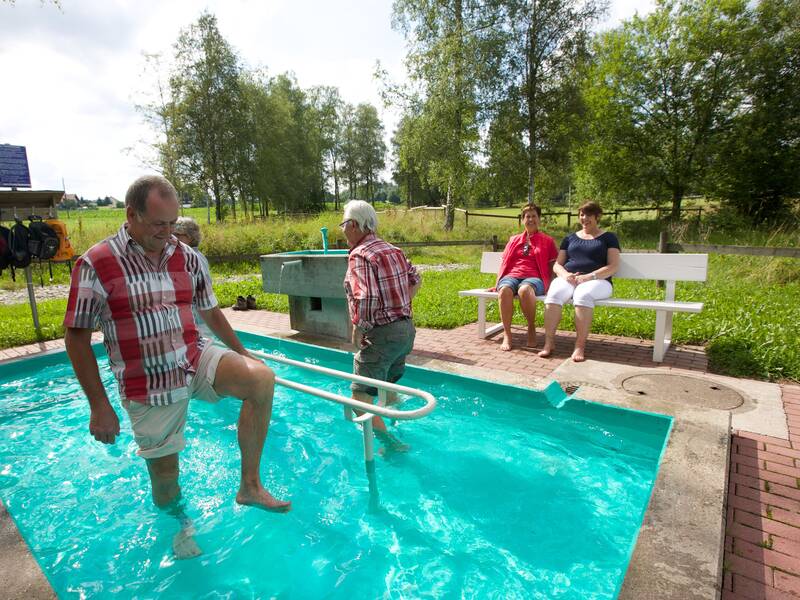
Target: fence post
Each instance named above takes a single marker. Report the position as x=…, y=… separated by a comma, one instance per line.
x=569, y=219
x=466, y=219
x=662, y=248
x=494, y=243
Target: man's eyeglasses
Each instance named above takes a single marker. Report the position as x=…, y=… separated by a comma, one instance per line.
x=343, y=224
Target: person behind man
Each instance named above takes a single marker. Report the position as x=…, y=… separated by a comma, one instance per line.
x=187, y=230
x=380, y=283
x=586, y=261
x=526, y=270
x=138, y=286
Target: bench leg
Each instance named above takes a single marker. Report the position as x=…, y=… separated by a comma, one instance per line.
x=481, y=318
x=663, y=335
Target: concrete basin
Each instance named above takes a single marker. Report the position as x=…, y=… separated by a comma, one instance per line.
x=314, y=282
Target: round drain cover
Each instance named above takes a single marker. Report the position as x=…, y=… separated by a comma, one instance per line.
x=687, y=390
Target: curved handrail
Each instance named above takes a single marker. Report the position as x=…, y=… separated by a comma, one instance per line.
x=371, y=409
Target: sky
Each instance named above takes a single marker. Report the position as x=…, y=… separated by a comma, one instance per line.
x=72, y=75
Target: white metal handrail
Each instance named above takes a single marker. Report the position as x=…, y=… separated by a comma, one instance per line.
x=369, y=409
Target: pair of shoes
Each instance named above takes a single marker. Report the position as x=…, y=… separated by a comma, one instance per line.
x=243, y=303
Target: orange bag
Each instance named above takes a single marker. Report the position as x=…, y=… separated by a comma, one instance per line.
x=65, y=250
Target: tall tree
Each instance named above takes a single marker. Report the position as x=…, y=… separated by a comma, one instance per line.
x=158, y=111
x=757, y=166
x=370, y=148
x=663, y=89
x=453, y=54
x=546, y=38
x=208, y=108
x=328, y=107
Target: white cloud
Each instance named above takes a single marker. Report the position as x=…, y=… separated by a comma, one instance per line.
x=72, y=76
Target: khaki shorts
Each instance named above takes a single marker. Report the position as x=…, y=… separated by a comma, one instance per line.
x=158, y=430
x=384, y=354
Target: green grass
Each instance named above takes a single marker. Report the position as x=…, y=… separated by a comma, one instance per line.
x=16, y=323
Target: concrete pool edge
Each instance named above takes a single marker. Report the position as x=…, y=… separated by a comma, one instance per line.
x=21, y=574
x=679, y=550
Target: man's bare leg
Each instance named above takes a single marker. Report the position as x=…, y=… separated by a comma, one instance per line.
x=164, y=472
x=252, y=382
x=389, y=441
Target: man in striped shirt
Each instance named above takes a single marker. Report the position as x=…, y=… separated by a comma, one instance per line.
x=138, y=286
x=380, y=284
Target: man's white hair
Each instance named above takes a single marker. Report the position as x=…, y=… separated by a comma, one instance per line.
x=189, y=227
x=363, y=214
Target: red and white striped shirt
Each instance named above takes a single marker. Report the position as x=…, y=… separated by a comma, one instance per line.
x=145, y=314
x=378, y=283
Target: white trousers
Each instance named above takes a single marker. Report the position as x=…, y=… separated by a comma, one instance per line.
x=584, y=294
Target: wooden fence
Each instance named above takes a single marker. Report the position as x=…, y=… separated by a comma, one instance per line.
x=617, y=212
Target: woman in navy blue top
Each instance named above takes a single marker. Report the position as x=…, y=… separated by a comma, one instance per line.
x=586, y=261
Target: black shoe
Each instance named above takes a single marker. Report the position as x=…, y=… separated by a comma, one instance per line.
x=241, y=303
x=251, y=302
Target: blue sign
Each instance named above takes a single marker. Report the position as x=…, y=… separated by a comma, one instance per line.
x=14, y=166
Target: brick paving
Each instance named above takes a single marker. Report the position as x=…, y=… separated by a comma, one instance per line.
x=762, y=542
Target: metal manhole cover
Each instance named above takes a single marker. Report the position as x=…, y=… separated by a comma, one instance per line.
x=687, y=390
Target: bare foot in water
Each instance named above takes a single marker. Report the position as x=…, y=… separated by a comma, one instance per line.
x=183, y=544
x=261, y=498
x=506, y=345
x=531, y=337
x=578, y=356
x=545, y=352
x=390, y=443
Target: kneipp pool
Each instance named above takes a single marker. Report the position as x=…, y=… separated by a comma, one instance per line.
x=502, y=495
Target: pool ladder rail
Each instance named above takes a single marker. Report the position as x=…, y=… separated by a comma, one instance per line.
x=384, y=387
x=369, y=410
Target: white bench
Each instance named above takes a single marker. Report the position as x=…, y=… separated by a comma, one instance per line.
x=665, y=267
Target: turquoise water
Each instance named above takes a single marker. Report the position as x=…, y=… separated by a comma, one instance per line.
x=501, y=495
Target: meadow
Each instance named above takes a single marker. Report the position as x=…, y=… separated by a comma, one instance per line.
x=752, y=304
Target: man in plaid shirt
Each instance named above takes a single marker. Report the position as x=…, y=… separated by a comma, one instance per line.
x=380, y=284
x=138, y=286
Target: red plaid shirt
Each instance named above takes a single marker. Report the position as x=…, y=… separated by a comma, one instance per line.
x=145, y=314
x=378, y=282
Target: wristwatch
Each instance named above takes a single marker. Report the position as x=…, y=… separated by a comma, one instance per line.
x=594, y=275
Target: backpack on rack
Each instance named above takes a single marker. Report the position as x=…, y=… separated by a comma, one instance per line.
x=65, y=250
x=42, y=239
x=5, y=249
x=18, y=245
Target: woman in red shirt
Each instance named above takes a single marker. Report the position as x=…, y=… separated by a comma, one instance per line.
x=525, y=270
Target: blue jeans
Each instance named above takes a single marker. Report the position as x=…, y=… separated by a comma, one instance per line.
x=515, y=283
